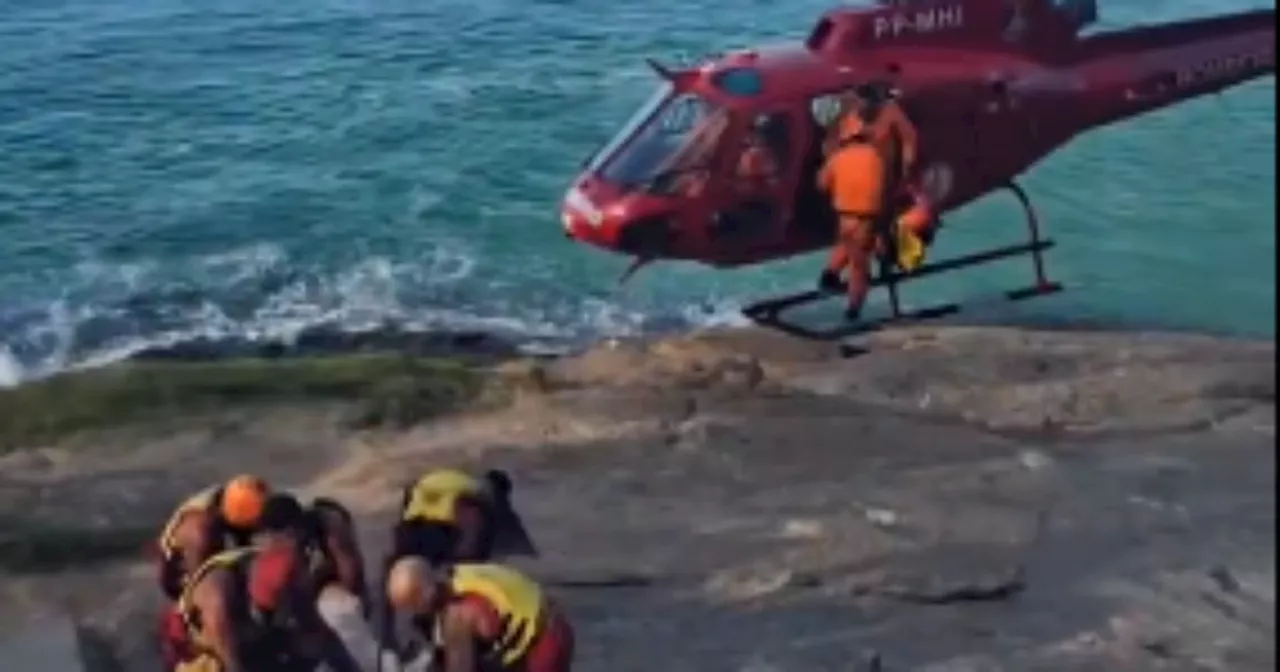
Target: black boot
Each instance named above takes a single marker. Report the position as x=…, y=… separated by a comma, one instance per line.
x=930, y=232
x=853, y=313
x=830, y=281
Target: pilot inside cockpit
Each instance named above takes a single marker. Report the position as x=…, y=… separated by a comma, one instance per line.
x=759, y=165
x=692, y=165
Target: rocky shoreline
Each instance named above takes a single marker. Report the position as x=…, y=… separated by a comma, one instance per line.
x=949, y=498
x=321, y=342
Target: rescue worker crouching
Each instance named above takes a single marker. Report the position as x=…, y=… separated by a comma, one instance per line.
x=217, y=518
x=325, y=533
x=252, y=609
x=482, y=617
x=243, y=512
x=448, y=515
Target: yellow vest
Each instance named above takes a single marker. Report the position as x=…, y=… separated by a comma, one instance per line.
x=434, y=498
x=186, y=609
x=201, y=501
x=517, y=599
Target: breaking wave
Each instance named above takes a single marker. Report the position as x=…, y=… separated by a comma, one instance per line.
x=108, y=312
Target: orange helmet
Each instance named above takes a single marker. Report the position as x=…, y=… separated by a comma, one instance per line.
x=243, y=498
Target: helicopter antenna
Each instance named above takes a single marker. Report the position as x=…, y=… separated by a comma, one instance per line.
x=659, y=68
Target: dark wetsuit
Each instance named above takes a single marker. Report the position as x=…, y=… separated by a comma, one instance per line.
x=323, y=567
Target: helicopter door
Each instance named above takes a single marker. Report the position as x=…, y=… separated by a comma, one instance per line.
x=757, y=199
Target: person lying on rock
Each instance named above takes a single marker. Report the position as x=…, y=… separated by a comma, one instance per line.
x=482, y=617
x=253, y=609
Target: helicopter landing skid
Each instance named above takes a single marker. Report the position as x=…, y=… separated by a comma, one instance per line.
x=768, y=313
x=636, y=264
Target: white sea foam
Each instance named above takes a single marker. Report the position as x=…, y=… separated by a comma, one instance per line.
x=11, y=371
x=109, y=312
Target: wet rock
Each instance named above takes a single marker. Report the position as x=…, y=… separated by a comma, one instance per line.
x=881, y=517
x=742, y=585
x=772, y=492
x=1158, y=647
x=740, y=373
x=995, y=587
x=802, y=529
x=49, y=647
x=525, y=376
x=1224, y=579
x=1034, y=460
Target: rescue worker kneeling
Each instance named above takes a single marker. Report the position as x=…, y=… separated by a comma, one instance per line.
x=325, y=532
x=451, y=516
x=482, y=617
x=448, y=516
x=218, y=518
x=252, y=609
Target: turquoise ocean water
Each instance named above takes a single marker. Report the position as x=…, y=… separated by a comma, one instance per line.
x=178, y=168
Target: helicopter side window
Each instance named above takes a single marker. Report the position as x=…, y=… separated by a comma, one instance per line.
x=740, y=82
x=825, y=109
x=826, y=112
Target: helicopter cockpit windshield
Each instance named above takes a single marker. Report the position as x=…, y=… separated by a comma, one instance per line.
x=669, y=136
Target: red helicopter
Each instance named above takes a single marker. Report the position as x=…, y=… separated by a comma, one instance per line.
x=992, y=86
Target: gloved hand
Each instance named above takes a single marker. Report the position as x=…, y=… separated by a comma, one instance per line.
x=500, y=484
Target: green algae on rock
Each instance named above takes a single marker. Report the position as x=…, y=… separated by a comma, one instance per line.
x=389, y=389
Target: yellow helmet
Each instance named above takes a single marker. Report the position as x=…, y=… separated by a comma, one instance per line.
x=435, y=496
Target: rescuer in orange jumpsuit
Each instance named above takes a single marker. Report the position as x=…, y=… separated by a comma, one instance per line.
x=873, y=107
x=854, y=174
x=874, y=114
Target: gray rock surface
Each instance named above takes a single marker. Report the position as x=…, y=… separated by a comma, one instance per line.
x=954, y=499
x=45, y=645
